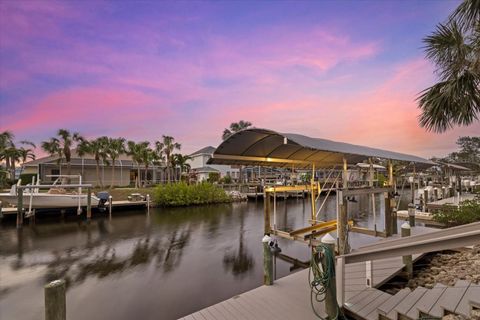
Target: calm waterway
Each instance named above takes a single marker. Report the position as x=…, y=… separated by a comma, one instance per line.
x=159, y=266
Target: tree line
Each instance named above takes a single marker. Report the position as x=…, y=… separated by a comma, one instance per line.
x=105, y=150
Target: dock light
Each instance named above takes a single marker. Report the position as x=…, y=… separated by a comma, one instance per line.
x=285, y=140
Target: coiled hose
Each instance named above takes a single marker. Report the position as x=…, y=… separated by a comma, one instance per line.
x=322, y=279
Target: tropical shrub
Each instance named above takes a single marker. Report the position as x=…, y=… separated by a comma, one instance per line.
x=467, y=212
x=182, y=194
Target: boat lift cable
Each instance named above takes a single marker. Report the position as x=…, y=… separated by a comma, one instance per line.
x=322, y=279
x=326, y=197
x=325, y=183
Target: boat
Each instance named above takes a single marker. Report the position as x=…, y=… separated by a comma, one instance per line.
x=56, y=197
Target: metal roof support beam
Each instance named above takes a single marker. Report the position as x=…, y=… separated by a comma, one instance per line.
x=260, y=159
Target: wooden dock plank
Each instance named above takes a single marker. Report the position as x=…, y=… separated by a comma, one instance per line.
x=409, y=301
x=427, y=301
x=450, y=298
x=370, y=311
x=359, y=305
x=472, y=295
x=393, y=301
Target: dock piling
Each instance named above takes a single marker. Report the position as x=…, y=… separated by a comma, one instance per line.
x=411, y=214
x=407, y=260
x=148, y=204
x=1, y=213
x=267, y=261
x=331, y=305
x=110, y=200
x=55, y=302
x=20, y=208
x=89, y=204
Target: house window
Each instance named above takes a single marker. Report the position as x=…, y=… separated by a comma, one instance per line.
x=54, y=172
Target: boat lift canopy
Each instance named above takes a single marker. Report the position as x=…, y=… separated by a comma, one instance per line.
x=265, y=147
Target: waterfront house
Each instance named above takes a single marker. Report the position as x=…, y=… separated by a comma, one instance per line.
x=198, y=164
x=126, y=170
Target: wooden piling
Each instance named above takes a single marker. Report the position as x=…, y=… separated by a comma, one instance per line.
x=266, y=205
x=394, y=221
x=343, y=247
x=411, y=214
x=267, y=261
x=110, y=200
x=148, y=204
x=89, y=203
x=1, y=212
x=407, y=260
x=388, y=214
x=425, y=199
x=331, y=306
x=55, y=301
x=20, y=207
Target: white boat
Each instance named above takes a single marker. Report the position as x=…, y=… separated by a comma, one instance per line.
x=55, y=198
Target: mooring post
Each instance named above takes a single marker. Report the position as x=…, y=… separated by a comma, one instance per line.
x=425, y=199
x=1, y=213
x=267, y=261
x=55, y=302
x=343, y=247
x=20, y=207
x=394, y=221
x=388, y=214
x=411, y=214
x=266, y=204
x=331, y=306
x=435, y=194
x=110, y=200
x=407, y=260
x=148, y=203
x=89, y=204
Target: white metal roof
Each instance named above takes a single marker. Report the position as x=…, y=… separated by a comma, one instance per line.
x=256, y=146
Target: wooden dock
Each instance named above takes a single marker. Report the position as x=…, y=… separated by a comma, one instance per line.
x=115, y=204
x=452, y=201
x=289, y=297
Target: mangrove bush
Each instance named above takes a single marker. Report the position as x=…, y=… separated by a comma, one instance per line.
x=182, y=194
x=467, y=212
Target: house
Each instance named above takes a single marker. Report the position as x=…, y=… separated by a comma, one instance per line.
x=125, y=172
x=198, y=164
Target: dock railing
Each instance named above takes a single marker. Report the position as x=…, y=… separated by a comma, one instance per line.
x=445, y=239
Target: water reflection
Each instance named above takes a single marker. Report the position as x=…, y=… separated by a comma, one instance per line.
x=241, y=261
x=148, y=256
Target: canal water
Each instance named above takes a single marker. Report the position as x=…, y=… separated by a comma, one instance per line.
x=164, y=265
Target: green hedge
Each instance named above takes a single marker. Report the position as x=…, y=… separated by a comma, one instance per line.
x=468, y=212
x=182, y=194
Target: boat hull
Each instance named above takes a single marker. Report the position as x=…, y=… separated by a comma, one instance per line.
x=50, y=201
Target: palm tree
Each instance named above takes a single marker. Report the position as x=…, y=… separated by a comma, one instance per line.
x=169, y=145
x=159, y=158
x=147, y=156
x=115, y=147
x=182, y=162
x=137, y=152
x=454, y=47
x=97, y=148
x=11, y=154
x=235, y=127
x=62, y=146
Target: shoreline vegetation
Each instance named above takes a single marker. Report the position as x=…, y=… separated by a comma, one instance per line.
x=182, y=194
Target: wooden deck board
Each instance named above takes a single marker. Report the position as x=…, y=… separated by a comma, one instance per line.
x=472, y=295
x=450, y=298
x=427, y=301
x=370, y=311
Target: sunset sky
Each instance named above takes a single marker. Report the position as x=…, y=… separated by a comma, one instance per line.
x=341, y=70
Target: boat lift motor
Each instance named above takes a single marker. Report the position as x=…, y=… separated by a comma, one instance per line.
x=103, y=196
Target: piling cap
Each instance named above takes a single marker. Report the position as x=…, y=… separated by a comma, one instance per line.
x=328, y=239
x=405, y=225
x=266, y=238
